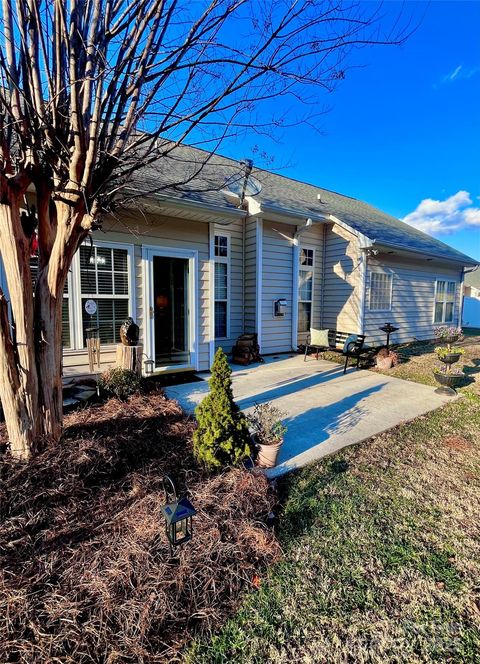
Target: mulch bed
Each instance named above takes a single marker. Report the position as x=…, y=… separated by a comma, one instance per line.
x=85, y=572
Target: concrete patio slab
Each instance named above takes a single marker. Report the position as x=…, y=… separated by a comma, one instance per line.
x=325, y=409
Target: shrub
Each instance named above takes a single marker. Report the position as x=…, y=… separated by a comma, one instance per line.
x=120, y=383
x=266, y=424
x=222, y=437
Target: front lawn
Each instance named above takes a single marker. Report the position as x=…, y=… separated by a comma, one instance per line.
x=381, y=555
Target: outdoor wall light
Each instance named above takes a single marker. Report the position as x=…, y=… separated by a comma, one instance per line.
x=148, y=366
x=178, y=515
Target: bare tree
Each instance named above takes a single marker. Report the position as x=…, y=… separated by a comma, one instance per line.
x=92, y=90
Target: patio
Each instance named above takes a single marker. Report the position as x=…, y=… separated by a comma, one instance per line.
x=325, y=409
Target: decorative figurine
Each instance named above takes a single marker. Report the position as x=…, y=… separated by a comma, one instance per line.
x=129, y=332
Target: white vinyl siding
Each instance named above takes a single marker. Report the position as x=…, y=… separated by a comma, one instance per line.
x=277, y=280
x=250, y=289
x=381, y=286
x=342, y=281
x=413, y=298
x=444, y=306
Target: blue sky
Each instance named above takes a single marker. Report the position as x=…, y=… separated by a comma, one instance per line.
x=405, y=127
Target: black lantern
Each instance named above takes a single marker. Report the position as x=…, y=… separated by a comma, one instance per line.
x=148, y=366
x=178, y=516
x=388, y=328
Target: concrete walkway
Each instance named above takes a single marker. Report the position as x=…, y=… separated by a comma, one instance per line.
x=325, y=409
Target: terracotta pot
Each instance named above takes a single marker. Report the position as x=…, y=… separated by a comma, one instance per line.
x=384, y=363
x=268, y=454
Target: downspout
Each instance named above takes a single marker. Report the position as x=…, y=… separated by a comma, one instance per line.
x=363, y=290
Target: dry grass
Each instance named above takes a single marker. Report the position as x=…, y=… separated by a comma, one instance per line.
x=382, y=555
x=418, y=359
x=85, y=570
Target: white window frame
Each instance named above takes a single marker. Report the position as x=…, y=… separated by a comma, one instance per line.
x=447, y=281
x=227, y=261
x=306, y=268
x=77, y=289
x=388, y=274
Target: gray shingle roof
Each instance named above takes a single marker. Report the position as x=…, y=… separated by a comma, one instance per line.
x=161, y=178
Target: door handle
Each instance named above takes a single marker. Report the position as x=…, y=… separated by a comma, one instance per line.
x=151, y=312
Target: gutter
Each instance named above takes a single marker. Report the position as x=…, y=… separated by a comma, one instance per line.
x=400, y=247
x=197, y=205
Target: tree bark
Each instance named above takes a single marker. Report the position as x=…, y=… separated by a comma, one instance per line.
x=18, y=371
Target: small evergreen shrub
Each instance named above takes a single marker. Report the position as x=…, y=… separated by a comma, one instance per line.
x=222, y=437
x=120, y=383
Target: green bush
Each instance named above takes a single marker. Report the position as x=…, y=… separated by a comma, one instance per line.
x=120, y=383
x=222, y=437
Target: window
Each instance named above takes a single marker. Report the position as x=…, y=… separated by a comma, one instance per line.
x=104, y=278
x=222, y=256
x=305, y=288
x=380, y=291
x=67, y=336
x=444, y=301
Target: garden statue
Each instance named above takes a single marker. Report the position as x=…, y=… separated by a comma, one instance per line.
x=129, y=332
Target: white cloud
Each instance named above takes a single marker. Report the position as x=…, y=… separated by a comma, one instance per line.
x=447, y=216
x=461, y=73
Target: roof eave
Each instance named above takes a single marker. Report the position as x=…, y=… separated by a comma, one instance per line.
x=464, y=261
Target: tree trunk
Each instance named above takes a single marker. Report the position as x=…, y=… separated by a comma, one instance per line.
x=18, y=370
x=31, y=388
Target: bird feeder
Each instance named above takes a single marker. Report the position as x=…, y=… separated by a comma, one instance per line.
x=388, y=328
x=178, y=516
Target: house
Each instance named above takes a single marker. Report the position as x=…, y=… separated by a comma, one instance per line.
x=471, y=302
x=233, y=250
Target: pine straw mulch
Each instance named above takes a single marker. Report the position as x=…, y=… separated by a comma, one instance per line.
x=85, y=573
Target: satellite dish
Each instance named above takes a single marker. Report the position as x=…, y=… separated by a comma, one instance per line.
x=234, y=186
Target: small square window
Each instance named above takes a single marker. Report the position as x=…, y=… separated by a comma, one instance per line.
x=306, y=257
x=221, y=246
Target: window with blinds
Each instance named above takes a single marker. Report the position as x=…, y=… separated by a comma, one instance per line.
x=444, y=301
x=221, y=251
x=380, y=291
x=104, y=278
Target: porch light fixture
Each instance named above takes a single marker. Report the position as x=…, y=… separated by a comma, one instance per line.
x=148, y=366
x=178, y=515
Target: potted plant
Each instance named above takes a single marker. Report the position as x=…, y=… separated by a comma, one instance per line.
x=386, y=359
x=449, y=354
x=268, y=432
x=447, y=376
x=447, y=334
